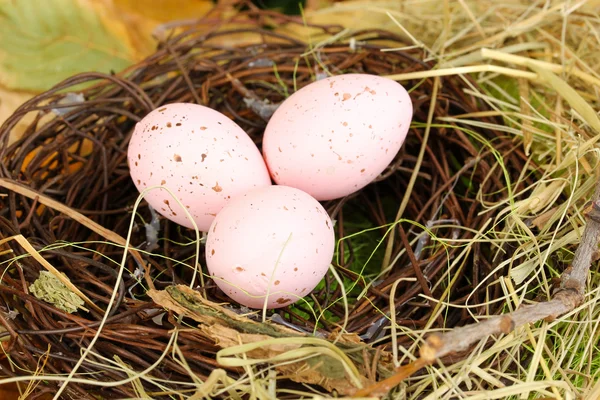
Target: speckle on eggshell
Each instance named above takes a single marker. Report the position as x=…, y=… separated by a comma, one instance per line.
x=330, y=165
x=176, y=156
x=270, y=246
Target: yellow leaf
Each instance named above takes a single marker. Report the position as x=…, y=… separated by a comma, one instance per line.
x=165, y=10
x=9, y=101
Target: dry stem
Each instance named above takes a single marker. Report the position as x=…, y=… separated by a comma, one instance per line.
x=567, y=297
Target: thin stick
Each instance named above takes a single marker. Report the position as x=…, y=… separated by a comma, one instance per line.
x=111, y=303
x=82, y=219
x=568, y=297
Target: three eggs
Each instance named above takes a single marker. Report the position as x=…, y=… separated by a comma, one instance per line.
x=270, y=245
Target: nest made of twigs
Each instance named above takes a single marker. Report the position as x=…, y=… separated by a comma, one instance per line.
x=78, y=158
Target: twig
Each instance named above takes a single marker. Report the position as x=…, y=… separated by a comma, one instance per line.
x=460, y=339
x=37, y=256
x=82, y=219
x=567, y=297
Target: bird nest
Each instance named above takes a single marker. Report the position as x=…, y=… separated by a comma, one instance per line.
x=72, y=230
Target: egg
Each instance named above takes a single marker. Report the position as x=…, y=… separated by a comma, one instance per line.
x=336, y=135
x=276, y=241
x=200, y=155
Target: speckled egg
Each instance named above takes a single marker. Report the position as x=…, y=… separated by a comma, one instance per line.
x=200, y=155
x=336, y=135
x=276, y=241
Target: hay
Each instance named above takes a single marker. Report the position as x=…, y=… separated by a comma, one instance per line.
x=462, y=226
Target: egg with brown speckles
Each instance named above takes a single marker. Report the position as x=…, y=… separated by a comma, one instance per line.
x=336, y=135
x=274, y=241
x=200, y=155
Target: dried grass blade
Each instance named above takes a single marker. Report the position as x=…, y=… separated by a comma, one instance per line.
x=38, y=257
x=82, y=219
x=570, y=95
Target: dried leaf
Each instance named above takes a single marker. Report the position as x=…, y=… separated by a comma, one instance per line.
x=225, y=337
x=185, y=301
x=229, y=330
x=541, y=220
x=48, y=288
x=543, y=195
x=321, y=370
x=42, y=45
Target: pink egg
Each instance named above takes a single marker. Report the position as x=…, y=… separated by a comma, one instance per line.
x=334, y=136
x=276, y=240
x=200, y=155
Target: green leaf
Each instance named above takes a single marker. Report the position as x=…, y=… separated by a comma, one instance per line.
x=42, y=43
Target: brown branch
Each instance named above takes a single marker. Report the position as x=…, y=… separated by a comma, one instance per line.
x=460, y=339
x=569, y=296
